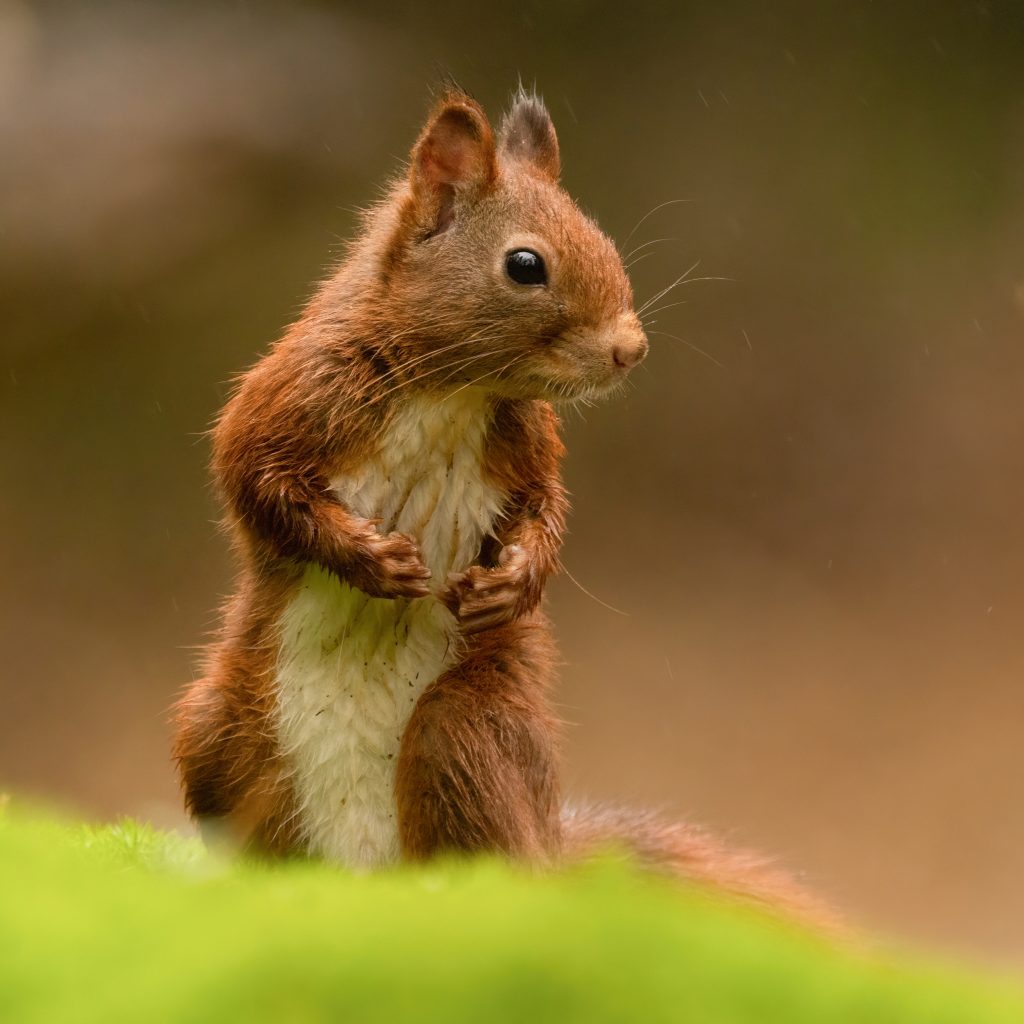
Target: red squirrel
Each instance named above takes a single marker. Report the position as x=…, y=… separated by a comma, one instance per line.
x=379, y=690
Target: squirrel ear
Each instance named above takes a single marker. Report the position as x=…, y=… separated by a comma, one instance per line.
x=454, y=153
x=528, y=134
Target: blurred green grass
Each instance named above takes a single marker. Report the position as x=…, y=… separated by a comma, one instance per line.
x=124, y=923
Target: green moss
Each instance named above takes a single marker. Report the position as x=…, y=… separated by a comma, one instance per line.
x=127, y=924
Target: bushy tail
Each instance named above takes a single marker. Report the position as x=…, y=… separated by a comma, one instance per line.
x=688, y=852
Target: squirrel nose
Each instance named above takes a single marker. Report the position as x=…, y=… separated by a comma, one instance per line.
x=627, y=352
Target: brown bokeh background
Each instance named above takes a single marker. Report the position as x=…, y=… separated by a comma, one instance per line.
x=809, y=506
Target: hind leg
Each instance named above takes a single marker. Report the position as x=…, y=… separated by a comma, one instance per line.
x=232, y=781
x=477, y=767
x=201, y=740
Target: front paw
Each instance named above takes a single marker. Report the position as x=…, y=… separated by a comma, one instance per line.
x=485, y=598
x=390, y=565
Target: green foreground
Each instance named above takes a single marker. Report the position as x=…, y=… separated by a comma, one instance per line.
x=126, y=924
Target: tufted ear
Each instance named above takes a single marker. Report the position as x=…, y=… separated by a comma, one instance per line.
x=455, y=153
x=527, y=134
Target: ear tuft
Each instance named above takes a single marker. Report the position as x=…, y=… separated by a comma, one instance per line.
x=528, y=134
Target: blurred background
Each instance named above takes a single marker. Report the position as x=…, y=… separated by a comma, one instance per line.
x=809, y=508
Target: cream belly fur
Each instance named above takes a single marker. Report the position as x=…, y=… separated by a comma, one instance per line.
x=351, y=667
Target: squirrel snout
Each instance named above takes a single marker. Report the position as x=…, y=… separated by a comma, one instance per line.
x=629, y=350
x=599, y=357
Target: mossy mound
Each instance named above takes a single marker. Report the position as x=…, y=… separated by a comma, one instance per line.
x=124, y=923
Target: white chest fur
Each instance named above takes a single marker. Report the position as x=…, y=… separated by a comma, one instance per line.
x=352, y=667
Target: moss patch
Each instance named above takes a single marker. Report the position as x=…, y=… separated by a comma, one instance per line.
x=124, y=923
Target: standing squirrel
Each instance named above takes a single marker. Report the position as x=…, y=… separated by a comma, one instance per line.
x=379, y=688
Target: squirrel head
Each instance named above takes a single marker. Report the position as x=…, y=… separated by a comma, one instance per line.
x=491, y=274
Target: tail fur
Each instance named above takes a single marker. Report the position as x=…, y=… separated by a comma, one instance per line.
x=688, y=852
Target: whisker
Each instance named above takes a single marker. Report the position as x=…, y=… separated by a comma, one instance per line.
x=690, y=344
x=679, y=280
x=654, y=241
x=395, y=370
x=500, y=351
x=661, y=309
x=642, y=256
x=457, y=364
x=424, y=325
x=650, y=213
x=475, y=380
x=594, y=597
x=686, y=280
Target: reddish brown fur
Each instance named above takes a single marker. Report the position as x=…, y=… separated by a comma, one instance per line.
x=477, y=770
x=229, y=764
x=683, y=850
x=477, y=764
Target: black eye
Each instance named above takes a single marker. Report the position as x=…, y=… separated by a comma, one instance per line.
x=525, y=266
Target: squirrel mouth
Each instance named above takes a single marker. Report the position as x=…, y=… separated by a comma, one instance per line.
x=560, y=386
